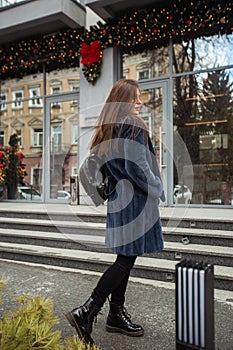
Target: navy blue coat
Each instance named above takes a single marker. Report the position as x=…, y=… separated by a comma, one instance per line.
x=133, y=219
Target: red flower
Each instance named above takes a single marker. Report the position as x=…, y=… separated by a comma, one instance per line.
x=90, y=53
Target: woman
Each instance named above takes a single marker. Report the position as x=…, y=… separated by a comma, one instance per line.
x=133, y=223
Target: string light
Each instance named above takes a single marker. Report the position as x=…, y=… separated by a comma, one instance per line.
x=134, y=32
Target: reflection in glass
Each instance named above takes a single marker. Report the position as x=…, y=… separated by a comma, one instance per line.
x=203, y=53
x=152, y=112
x=63, y=149
x=203, y=110
x=146, y=65
x=24, y=117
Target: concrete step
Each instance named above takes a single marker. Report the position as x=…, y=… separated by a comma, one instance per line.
x=68, y=213
x=74, y=237
x=55, y=239
x=171, y=234
x=187, y=217
x=51, y=225
x=173, y=250
x=200, y=218
x=207, y=254
x=145, y=267
x=198, y=236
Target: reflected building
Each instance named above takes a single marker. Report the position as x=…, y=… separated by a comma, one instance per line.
x=186, y=90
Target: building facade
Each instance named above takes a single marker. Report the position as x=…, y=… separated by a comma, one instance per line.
x=186, y=81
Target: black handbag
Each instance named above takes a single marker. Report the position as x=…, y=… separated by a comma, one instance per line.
x=94, y=178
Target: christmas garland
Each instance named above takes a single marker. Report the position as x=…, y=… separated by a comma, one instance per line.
x=56, y=51
x=12, y=168
x=134, y=32
x=2, y=170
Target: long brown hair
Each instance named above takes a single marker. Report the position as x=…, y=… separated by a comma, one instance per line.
x=117, y=109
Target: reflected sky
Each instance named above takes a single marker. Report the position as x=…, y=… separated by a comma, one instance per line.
x=214, y=51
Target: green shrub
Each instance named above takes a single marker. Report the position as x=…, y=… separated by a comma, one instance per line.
x=31, y=326
x=72, y=344
x=2, y=284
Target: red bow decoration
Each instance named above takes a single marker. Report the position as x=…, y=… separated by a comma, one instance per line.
x=90, y=53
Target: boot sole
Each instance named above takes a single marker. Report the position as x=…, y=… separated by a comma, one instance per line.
x=111, y=329
x=72, y=322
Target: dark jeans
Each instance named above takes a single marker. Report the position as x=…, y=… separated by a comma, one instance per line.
x=114, y=281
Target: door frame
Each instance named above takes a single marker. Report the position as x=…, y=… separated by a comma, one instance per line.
x=166, y=137
x=48, y=100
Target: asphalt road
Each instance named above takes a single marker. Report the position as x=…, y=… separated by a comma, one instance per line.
x=151, y=305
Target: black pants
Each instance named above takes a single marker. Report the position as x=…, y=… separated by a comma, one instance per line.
x=114, y=281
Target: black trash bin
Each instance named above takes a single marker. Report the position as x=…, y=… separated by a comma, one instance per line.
x=194, y=306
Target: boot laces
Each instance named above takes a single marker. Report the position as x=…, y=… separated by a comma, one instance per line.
x=126, y=314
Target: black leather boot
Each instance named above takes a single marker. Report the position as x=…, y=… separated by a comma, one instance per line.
x=119, y=321
x=82, y=319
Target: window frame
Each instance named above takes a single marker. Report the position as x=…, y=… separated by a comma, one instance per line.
x=57, y=145
x=2, y=137
x=17, y=102
x=3, y=103
x=37, y=135
x=33, y=102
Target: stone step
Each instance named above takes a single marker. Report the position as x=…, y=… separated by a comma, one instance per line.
x=145, y=267
x=200, y=218
x=68, y=213
x=173, y=250
x=172, y=234
x=198, y=236
x=55, y=239
x=207, y=254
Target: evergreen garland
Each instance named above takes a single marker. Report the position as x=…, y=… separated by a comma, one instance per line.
x=133, y=32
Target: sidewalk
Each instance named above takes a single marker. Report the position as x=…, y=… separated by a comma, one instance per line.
x=150, y=303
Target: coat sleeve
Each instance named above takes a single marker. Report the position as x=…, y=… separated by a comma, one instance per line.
x=137, y=165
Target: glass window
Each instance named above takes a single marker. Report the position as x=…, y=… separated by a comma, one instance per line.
x=17, y=97
x=36, y=176
x=3, y=98
x=143, y=74
x=34, y=94
x=203, y=109
x=56, y=90
x=37, y=137
x=75, y=133
x=56, y=138
x=75, y=89
x=154, y=63
x=203, y=53
x=74, y=171
x=2, y=138
x=26, y=118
